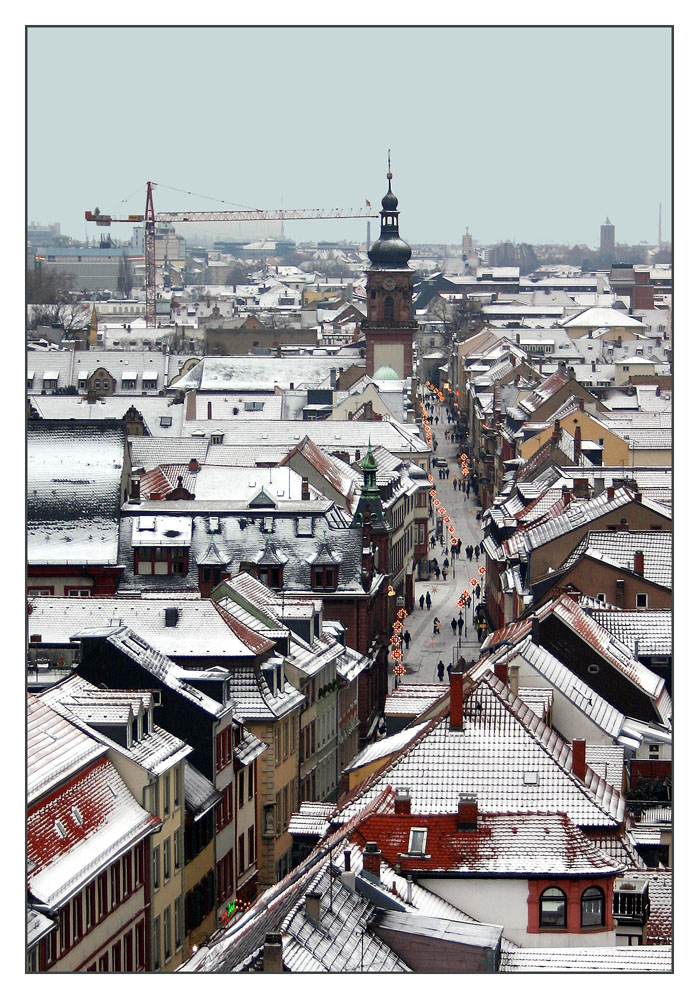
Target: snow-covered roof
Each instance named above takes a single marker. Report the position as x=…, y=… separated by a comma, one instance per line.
x=81, y=830
x=74, y=473
x=500, y=740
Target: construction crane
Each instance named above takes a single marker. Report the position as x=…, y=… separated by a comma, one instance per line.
x=249, y=215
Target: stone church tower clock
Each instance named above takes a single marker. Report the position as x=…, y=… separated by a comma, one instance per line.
x=389, y=326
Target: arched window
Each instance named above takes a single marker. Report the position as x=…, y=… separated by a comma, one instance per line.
x=592, y=907
x=388, y=311
x=552, y=908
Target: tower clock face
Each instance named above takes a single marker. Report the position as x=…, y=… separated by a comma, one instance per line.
x=389, y=283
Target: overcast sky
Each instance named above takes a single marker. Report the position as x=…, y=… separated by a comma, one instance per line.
x=530, y=134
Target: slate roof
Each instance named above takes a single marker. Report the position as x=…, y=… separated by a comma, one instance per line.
x=638, y=960
x=74, y=472
x=516, y=843
x=619, y=547
x=500, y=740
x=242, y=538
x=112, y=822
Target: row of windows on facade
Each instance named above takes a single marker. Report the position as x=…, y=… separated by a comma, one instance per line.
x=284, y=805
x=162, y=561
x=95, y=902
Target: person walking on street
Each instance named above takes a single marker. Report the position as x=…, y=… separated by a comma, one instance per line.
x=440, y=670
x=436, y=625
x=478, y=591
x=436, y=570
x=444, y=575
x=468, y=601
x=454, y=481
x=406, y=639
x=428, y=600
x=461, y=623
x=422, y=601
x=453, y=625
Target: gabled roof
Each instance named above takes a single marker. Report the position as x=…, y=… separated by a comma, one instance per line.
x=499, y=741
x=597, y=316
x=576, y=515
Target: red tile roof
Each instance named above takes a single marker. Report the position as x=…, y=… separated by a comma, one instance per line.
x=515, y=843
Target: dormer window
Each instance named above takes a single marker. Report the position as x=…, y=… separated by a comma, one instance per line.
x=271, y=575
x=324, y=577
x=418, y=841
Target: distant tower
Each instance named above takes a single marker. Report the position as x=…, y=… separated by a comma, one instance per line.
x=389, y=326
x=606, y=241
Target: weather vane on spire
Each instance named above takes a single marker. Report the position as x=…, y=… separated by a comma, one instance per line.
x=389, y=174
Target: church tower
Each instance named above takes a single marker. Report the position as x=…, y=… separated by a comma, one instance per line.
x=389, y=326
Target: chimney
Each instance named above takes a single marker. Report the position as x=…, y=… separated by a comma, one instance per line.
x=534, y=633
x=581, y=405
x=193, y=465
x=561, y=367
x=135, y=489
x=501, y=672
x=467, y=813
x=565, y=495
x=577, y=444
x=208, y=410
x=610, y=492
x=594, y=366
x=638, y=563
x=638, y=496
x=517, y=339
x=272, y=954
x=456, y=698
x=514, y=679
x=305, y=492
x=657, y=390
x=579, y=765
x=348, y=860
x=372, y=860
x=313, y=905
x=403, y=801
x=541, y=365
x=581, y=488
x=91, y=396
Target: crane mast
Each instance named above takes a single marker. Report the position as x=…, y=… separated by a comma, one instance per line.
x=150, y=217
